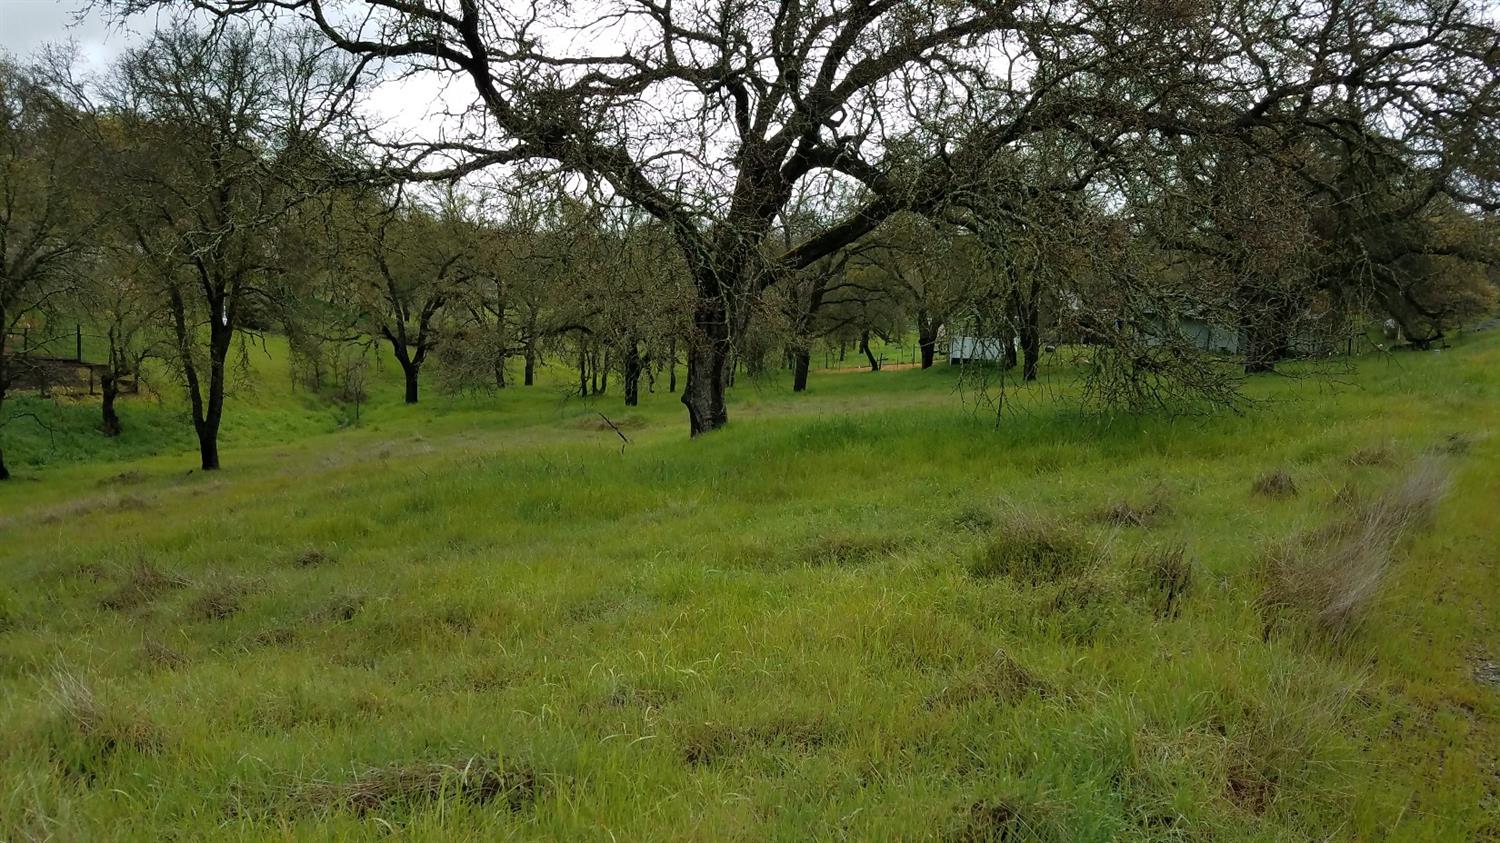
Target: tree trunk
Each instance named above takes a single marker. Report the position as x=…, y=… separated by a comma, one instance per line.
x=801, y=361
x=500, y=347
x=632, y=374
x=4, y=472
x=110, y=387
x=864, y=345
x=707, y=362
x=531, y=316
x=411, y=371
x=1031, y=346
x=927, y=341
x=208, y=444
x=672, y=367
x=206, y=422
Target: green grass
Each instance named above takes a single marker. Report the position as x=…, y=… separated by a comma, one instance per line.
x=481, y=618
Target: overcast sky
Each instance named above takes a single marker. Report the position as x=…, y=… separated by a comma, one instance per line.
x=25, y=25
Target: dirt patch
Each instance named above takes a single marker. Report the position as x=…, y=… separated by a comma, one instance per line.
x=1487, y=673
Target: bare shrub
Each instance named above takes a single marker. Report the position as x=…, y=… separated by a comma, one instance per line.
x=1276, y=484
x=1332, y=575
x=1032, y=550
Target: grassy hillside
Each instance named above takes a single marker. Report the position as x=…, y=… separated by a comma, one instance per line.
x=861, y=612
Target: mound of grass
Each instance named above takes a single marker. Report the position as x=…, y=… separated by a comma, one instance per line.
x=85, y=732
x=1168, y=577
x=402, y=788
x=1032, y=550
x=1000, y=679
x=142, y=585
x=1277, y=484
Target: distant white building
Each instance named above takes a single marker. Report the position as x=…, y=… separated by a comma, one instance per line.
x=977, y=349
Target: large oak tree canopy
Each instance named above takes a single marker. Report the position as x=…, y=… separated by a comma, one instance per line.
x=708, y=114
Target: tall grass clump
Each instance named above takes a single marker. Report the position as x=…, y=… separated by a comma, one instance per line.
x=1032, y=550
x=1331, y=576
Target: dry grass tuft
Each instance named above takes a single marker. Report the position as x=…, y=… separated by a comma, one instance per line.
x=1000, y=679
x=1034, y=551
x=975, y=519
x=1381, y=454
x=475, y=781
x=850, y=549
x=1333, y=575
x=1169, y=578
x=1002, y=821
x=1457, y=444
x=85, y=733
x=312, y=558
x=219, y=602
x=1126, y=514
x=708, y=743
x=340, y=609
x=1277, y=485
x=161, y=655
x=142, y=585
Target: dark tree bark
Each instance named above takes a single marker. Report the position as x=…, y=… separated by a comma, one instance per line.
x=927, y=341
x=412, y=385
x=864, y=345
x=500, y=344
x=110, y=387
x=672, y=367
x=708, y=363
x=632, y=374
x=1027, y=318
x=4, y=472
x=208, y=411
x=801, y=362
x=530, y=352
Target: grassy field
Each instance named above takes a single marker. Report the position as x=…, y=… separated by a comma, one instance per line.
x=858, y=613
